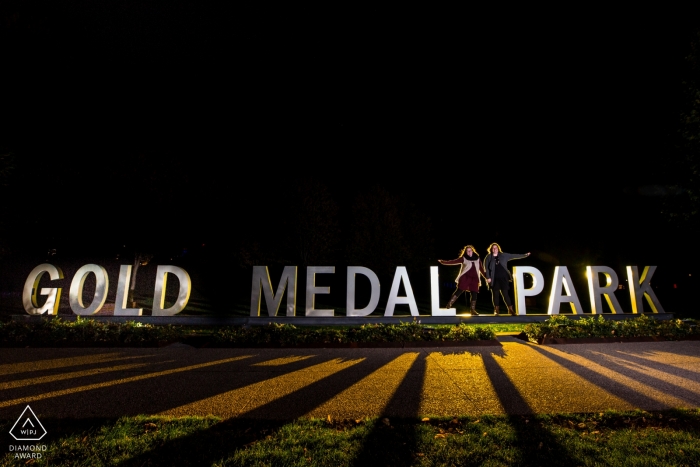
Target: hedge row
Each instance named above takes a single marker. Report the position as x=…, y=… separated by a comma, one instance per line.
x=560, y=326
x=287, y=334
x=86, y=332
x=82, y=331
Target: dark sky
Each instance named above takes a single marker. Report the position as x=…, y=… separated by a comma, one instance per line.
x=529, y=128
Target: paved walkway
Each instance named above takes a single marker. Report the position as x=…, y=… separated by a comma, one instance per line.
x=516, y=377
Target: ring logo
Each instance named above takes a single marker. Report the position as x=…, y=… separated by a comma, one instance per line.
x=28, y=427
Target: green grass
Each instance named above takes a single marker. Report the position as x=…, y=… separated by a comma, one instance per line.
x=504, y=328
x=640, y=438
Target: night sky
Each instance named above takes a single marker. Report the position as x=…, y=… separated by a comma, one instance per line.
x=186, y=125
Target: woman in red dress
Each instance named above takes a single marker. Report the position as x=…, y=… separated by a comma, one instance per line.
x=469, y=277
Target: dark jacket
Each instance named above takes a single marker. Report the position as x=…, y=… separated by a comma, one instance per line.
x=490, y=264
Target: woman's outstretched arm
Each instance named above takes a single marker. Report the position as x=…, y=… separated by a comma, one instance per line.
x=450, y=262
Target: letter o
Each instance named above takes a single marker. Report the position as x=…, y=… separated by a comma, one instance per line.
x=75, y=296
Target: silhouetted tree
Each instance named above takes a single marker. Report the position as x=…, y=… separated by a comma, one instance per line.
x=377, y=238
x=6, y=168
x=312, y=224
x=418, y=237
x=682, y=203
x=299, y=228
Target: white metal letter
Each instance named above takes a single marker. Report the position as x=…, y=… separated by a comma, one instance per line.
x=75, y=295
x=642, y=288
x=120, y=308
x=595, y=290
x=374, y=297
x=261, y=282
x=394, y=299
x=31, y=287
x=312, y=290
x=435, y=309
x=562, y=277
x=183, y=295
x=520, y=291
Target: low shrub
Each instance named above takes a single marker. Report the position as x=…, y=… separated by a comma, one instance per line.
x=288, y=334
x=85, y=331
x=559, y=326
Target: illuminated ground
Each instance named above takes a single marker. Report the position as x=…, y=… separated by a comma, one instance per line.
x=516, y=377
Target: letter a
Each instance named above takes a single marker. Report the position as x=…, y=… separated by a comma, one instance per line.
x=394, y=299
x=562, y=277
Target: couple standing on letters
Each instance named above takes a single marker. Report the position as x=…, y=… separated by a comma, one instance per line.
x=495, y=271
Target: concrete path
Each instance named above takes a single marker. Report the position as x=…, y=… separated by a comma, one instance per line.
x=516, y=378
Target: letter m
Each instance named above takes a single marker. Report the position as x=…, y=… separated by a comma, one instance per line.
x=261, y=282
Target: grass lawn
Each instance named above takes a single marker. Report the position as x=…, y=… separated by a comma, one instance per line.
x=612, y=439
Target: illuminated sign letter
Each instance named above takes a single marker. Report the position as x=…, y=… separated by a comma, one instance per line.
x=261, y=281
x=75, y=294
x=183, y=295
x=374, y=297
x=120, y=308
x=435, y=309
x=642, y=287
x=53, y=295
x=562, y=277
x=520, y=291
x=394, y=299
x=595, y=290
x=312, y=290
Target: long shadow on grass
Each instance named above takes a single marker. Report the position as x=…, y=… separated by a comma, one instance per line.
x=536, y=443
x=397, y=442
x=223, y=439
x=394, y=442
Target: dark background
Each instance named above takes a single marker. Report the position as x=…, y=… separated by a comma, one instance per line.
x=222, y=137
